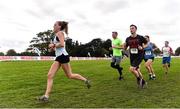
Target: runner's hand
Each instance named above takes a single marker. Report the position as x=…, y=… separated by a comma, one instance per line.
x=51, y=46
x=140, y=47
x=110, y=48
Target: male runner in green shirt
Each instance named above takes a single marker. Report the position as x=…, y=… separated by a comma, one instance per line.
x=117, y=45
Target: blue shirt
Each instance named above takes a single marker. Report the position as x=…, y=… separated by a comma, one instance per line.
x=148, y=51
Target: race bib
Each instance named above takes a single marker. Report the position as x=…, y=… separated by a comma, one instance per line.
x=147, y=52
x=134, y=51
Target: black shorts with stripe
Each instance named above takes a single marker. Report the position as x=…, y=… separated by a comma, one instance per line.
x=63, y=59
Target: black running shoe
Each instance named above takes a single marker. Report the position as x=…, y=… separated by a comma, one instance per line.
x=154, y=77
x=150, y=77
x=87, y=82
x=43, y=98
x=121, y=78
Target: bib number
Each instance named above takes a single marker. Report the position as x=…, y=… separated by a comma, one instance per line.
x=147, y=52
x=134, y=51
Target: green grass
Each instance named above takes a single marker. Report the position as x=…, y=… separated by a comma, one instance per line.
x=21, y=82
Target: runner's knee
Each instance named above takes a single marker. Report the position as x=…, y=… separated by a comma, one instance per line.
x=132, y=69
x=50, y=75
x=146, y=65
x=70, y=76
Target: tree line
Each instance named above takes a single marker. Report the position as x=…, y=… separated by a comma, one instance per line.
x=95, y=48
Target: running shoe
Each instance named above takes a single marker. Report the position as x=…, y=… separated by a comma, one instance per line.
x=43, y=98
x=87, y=82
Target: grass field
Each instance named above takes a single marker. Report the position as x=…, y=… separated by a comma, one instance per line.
x=21, y=82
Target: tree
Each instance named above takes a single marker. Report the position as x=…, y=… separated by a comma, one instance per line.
x=26, y=53
x=97, y=47
x=42, y=40
x=11, y=52
x=76, y=43
x=1, y=54
x=69, y=45
x=177, y=52
x=106, y=45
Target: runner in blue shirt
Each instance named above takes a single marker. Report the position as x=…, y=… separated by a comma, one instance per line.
x=149, y=49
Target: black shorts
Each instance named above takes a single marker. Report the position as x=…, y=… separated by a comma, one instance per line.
x=148, y=59
x=136, y=60
x=62, y=59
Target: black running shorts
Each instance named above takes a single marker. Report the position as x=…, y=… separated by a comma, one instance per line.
x=152, y=58
x=136, y=59
x=62, y=59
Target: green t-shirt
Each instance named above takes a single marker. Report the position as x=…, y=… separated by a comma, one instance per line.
x=117, y=51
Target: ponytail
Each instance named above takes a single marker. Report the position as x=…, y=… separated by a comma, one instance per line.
x=64, y=26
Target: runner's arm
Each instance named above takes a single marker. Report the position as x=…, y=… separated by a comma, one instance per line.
x=125, y=46
x=118, y=47
x=155, y=47
x=60, y=35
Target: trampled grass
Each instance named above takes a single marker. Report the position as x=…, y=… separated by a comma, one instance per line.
x=21, y=82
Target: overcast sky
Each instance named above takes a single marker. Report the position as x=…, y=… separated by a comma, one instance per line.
x=21, y=20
